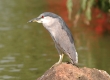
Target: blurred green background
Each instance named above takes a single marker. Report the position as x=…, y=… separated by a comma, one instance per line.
x=27, y=50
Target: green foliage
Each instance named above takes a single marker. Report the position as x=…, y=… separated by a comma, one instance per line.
x=86, y=6
x=69, y=6
x=104, y=5
x=83, y=4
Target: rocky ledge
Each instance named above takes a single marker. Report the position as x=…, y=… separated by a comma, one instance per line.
x=66, y=71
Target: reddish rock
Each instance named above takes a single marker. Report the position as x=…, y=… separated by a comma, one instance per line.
x=66, y=71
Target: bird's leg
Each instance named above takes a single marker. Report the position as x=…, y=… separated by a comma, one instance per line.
x=60, y=60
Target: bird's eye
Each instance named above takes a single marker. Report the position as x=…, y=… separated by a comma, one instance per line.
x=42, y=17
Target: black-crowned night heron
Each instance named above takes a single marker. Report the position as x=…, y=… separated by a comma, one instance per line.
x=60, y=34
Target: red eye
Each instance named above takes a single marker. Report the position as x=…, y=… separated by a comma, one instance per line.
x=42, y=17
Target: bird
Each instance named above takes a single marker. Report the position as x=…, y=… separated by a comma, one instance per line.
x=60, y=34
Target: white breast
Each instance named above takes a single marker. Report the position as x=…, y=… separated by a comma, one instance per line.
x=52, y=25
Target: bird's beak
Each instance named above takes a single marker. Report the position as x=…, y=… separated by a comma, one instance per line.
x=34, y=20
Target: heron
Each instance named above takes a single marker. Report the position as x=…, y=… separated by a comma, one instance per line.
x=60, y=34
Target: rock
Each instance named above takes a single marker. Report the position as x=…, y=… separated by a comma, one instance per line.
x=66, y=71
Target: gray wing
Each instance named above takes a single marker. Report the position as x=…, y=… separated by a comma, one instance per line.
x=64, y=26
x=66, y=43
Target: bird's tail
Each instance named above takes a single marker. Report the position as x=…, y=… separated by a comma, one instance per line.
x=74, y=58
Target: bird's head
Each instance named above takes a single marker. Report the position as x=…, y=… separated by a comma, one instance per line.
x=46, y=18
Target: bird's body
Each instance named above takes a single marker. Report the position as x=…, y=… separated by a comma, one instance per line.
x=60, y=34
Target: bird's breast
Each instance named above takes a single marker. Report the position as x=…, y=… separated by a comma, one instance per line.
x=53, y=32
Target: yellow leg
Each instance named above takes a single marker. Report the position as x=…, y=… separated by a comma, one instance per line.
x=60, y=60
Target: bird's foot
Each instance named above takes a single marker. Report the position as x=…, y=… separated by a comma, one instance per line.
x=59, y=62
x=56, y=64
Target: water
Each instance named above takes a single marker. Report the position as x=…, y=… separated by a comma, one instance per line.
x=22, y=45
x=27, y=50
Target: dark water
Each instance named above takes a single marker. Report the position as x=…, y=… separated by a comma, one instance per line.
x=27, y=50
